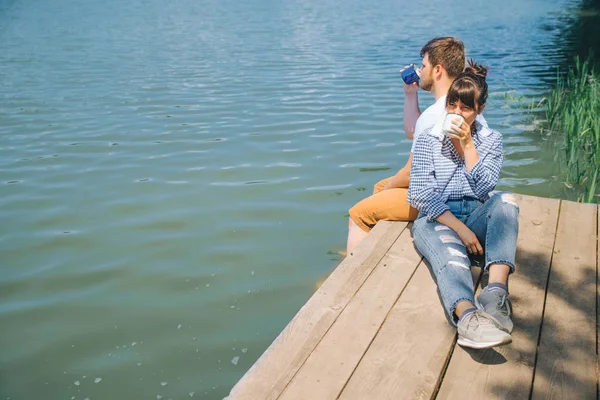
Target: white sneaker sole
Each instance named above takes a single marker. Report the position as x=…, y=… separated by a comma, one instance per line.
x=483, y=345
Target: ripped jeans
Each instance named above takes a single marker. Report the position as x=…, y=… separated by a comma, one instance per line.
x=496, y=225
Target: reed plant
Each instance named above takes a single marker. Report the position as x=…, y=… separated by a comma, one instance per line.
x=573, y=117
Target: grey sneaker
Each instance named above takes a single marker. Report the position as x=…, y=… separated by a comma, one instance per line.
x=498, y=306
x=480, y=331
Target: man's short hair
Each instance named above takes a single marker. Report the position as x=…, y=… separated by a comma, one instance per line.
x=447, y=52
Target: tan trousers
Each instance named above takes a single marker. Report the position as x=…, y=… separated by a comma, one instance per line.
x=383, y=205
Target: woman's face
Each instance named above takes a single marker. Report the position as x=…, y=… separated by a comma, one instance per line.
x=460, y=108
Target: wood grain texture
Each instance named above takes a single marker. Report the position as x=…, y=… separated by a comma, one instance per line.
x=566, y=361
x=411, y=349
x=507, y=372
x=330, y=365
x=279, y=363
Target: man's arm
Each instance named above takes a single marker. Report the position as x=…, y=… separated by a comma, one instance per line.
x=402, y=178
x=411, y=109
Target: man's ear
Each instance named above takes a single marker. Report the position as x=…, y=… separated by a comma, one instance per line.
x=481, y=109
x=438, y=71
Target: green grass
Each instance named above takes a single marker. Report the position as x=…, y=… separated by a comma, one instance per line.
x=573, y=118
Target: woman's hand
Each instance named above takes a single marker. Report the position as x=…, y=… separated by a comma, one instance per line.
x=464, y=233
x=462, y=132
x=470, y=240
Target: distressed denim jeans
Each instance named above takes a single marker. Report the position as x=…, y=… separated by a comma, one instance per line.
x=496, y=225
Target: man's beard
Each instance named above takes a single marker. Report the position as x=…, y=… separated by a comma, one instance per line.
x=427, y=85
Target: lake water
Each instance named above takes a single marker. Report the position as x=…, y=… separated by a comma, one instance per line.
x=175, y=176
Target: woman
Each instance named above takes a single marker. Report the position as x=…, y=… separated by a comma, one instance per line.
x=451, y=178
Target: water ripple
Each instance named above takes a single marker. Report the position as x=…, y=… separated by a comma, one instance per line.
x=167, y=170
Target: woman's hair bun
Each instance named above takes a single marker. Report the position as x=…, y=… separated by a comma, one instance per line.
x=476, y=69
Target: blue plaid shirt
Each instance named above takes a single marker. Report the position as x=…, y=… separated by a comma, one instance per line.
x=438, y=174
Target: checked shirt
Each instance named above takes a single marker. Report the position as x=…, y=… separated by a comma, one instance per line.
x=438, y=174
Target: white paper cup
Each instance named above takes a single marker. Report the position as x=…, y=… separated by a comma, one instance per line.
x=448, y=124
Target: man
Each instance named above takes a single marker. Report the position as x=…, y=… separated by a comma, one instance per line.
x=443, y=60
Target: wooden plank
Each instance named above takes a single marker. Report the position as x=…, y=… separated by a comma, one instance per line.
x=507, y=372
x=411, y=349
x=400, y=363
x=279, y=363
x=566, y=362
x=328, y=368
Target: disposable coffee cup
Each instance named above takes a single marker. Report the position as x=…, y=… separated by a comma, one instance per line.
x=448, y=126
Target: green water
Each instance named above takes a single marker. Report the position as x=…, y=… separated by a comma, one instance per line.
x=175, y=176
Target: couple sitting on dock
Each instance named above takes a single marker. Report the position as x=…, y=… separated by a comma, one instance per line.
x=450, y=175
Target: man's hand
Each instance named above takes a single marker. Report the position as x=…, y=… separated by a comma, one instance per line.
x=470, y=240
x=412, y=88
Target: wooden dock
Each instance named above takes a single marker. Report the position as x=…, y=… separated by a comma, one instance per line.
x=376, y=328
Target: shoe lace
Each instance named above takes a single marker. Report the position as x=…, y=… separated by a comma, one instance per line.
x=502, y=306
x=477, y=320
